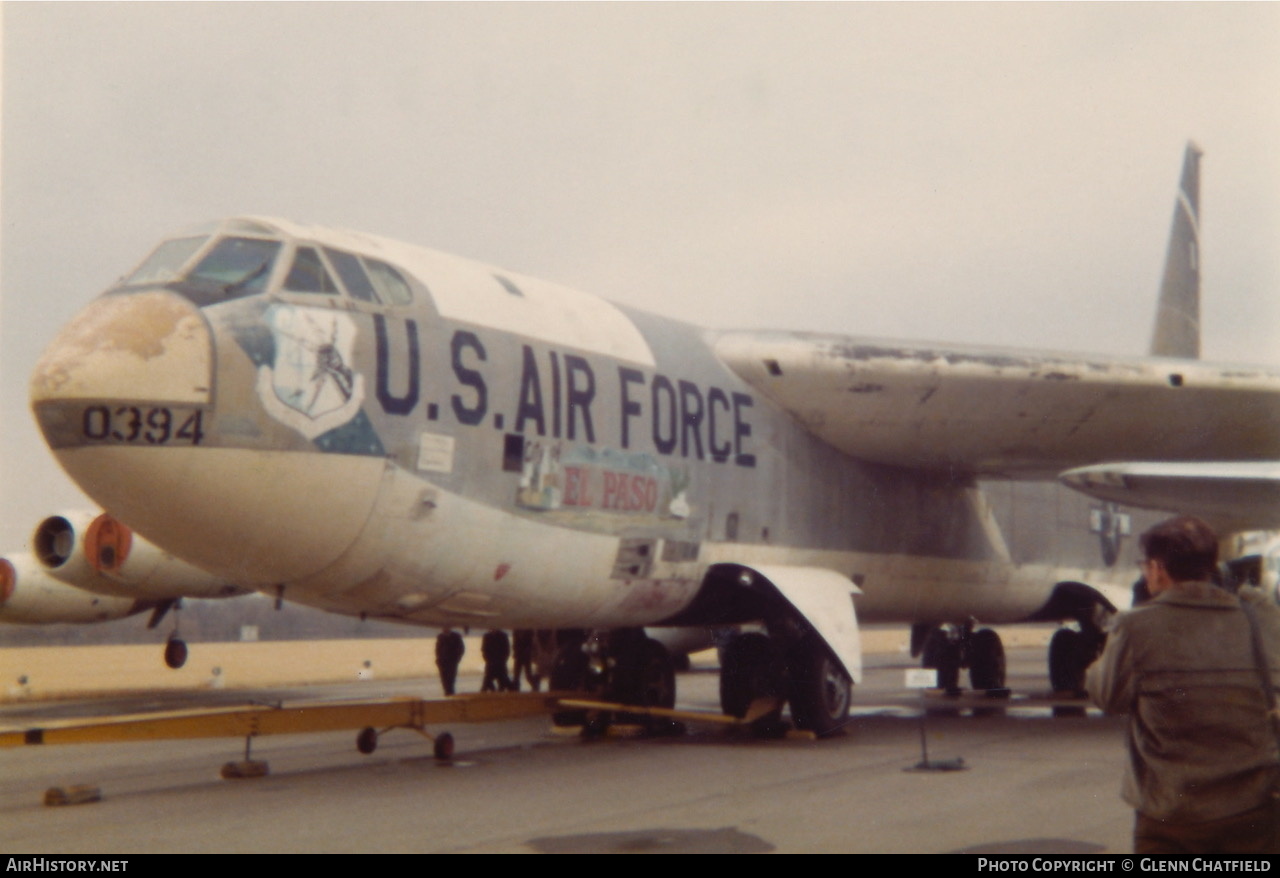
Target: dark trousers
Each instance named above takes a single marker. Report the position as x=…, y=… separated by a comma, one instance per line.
x=1253, y=832
x=495, y=678
x=448, y=677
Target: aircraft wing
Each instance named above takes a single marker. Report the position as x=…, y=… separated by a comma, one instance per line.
x=1238, y=495
x=1008, y=412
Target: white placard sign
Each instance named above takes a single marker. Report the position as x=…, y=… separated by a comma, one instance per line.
x=921, y=678
x=435, y=453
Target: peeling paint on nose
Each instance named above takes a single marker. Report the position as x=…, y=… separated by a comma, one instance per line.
x=153, y=346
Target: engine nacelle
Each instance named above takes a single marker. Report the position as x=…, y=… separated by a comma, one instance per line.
x=97, y=553
x=30, y=596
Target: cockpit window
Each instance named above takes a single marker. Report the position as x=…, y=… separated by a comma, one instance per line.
x=240, y=265
x=308, y=274
x=393, y=288
x=352, y=274
x=165, y=261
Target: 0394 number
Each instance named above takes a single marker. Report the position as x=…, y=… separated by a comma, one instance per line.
x=143, y=425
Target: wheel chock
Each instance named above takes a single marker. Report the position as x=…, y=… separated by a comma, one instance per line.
x=80, y=794
x=244, y=769
x=801, y=735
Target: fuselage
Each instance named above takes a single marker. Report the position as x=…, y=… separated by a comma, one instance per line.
x=374, y=428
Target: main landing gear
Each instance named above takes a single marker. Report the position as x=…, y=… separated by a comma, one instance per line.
x=950, y=648
x=755, y=667
x=819, y=690
x=623, y=666
x=1070, y=654
x=1072, y=650
x=759, y=673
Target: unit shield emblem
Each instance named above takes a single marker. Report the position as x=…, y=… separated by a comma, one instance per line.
x=310, y=385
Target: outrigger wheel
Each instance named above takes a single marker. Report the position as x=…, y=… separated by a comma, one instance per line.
x=175, y=652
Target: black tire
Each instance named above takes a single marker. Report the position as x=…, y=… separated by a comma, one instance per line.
x=569, y=674
x=943, y=654
x=641, y=674
x=1067, y=661
x=986, y=660
x=818, y=688
x=750, y=668
x=367, y=740
x=442, y=747
x=175, y=652
x=656, y=683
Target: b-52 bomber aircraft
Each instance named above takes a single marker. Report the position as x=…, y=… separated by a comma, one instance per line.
x=382, y=430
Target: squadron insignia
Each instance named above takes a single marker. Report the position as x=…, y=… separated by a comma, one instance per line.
x=310, y=385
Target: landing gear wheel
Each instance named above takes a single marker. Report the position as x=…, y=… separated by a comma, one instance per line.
x=749, y=669
x=175, y=652
x=943, y=653
x=367, y=740
x=595, y=726
x=986, y=660
x=1068, y=661
x=443, y=747
x=820, y=691
x=657, y=676
x=569, y=674
x=640, y=673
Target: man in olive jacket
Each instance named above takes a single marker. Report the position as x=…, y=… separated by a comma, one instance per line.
x=1204, y=768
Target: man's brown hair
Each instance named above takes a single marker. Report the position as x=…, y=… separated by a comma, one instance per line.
x=1186, y=546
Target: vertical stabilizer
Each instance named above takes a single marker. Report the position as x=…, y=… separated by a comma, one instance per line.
x=1177, y=329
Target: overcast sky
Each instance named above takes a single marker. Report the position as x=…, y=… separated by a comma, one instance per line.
x=998, y=174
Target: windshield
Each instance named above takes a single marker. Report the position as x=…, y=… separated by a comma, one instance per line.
x=212, y=268
x=231, y=268
x=165, y=261
x=240, y=265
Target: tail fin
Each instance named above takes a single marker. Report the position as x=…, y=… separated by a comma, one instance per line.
x=1177, y=328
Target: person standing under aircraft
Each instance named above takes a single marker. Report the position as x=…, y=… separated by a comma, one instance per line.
x=1204, y=766
x=450, y=648
x=495, y=648
x=522, y=655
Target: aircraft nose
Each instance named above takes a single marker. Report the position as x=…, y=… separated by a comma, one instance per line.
x=129, y=397
x=129, y=369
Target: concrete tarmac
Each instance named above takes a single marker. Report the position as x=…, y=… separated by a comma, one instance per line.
x=1030, y=783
